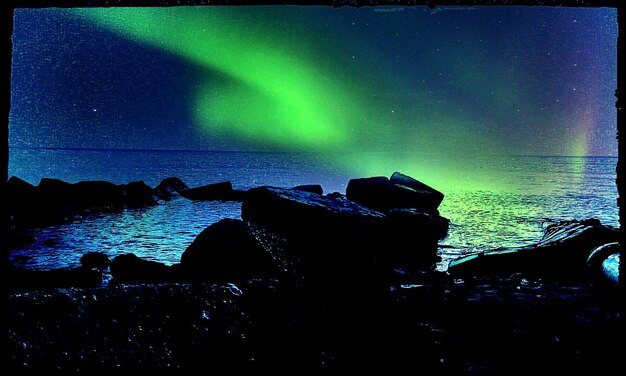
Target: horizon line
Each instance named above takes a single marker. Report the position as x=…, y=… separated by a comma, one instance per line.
x=287, y=151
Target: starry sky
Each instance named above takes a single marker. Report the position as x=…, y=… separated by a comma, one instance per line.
x=479, y=81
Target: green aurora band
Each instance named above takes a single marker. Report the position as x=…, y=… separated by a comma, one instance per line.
x=300, y=97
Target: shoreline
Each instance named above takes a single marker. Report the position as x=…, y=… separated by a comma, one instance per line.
x=307, y=281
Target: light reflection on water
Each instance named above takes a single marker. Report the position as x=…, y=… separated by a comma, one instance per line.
x=546, y=189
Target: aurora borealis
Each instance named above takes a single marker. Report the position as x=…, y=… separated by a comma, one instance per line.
x=406, y=83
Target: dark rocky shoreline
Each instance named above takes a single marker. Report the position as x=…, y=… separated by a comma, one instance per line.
x=436, y=325
x=309, y=281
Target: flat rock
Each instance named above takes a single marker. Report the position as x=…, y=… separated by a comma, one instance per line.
x=218, y=191
x=563, y=250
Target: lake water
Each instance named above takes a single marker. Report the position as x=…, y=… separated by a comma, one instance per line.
x=531, y=192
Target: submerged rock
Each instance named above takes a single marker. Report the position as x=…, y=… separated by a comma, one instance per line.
x=218, y=191
x=563, y=250
x=232, y=250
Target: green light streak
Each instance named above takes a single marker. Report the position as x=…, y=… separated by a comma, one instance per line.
x=277, y=92
x=279, y=96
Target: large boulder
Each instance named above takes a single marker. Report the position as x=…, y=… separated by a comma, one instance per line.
x=563, y=250
x=401, y=191
x=370, y=192
x=297, y=213
x=218, y=191
x=233, y=250
x=410, y=230
x=331, y=236
x=340, y=241
x=170, y=187
x=428, y=197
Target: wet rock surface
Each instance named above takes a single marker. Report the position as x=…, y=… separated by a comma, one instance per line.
x=234, y=250
x=563, y=250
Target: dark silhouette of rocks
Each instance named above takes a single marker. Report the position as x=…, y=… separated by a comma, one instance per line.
x=563, y=250
x=233, y=250
x=218, y=191
x=338, y=240
x=54, y=201
x=308, y=282
x=169, y=188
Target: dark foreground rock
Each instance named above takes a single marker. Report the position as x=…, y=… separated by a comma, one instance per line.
x=338, y=240
x=563, y=250
x=233, y=250
x=439, y=325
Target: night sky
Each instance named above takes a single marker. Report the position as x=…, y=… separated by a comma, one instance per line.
x=487, y=80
